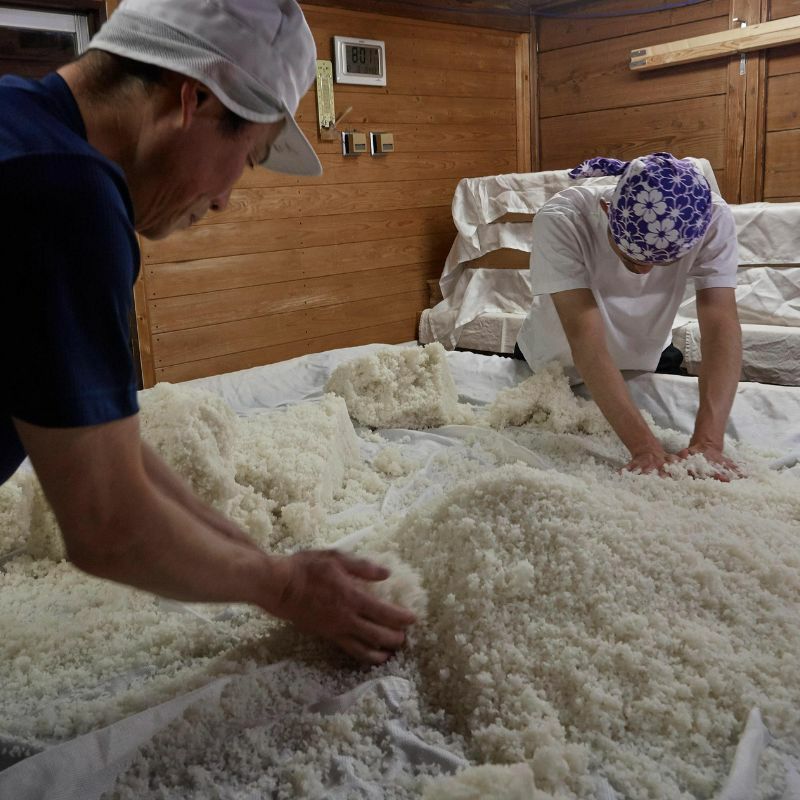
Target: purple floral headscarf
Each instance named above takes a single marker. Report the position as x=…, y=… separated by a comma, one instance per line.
x=660, y=208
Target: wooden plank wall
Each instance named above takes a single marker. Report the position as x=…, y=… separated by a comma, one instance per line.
x=301, y=265
x=782, y=145
x=508, y=15
x=591, y=103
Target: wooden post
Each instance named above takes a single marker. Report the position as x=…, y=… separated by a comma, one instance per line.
x=536, y=136
x=746, y=73
x=523, y=57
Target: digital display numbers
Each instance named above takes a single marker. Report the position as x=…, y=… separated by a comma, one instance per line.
x=363, y=59
x=360, y=60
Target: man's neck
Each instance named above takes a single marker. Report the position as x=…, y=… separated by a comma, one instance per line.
x=113, y=130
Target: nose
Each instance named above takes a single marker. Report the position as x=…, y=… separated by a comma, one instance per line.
x=220, y=202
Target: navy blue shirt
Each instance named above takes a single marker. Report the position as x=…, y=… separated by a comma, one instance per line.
x=69, y=259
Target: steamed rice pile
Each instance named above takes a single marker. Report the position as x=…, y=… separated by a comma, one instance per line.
x=582, y=625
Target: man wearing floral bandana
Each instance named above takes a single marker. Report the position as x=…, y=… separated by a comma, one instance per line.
x=609, y=268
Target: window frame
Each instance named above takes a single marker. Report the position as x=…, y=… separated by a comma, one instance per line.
x=63, y=21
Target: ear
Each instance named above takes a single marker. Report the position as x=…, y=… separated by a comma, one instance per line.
x=194, y=96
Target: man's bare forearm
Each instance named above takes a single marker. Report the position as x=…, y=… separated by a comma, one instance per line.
x=585, y=333
x=121, y=524
x=162, y=547
x=721, y=342
x=719, y=377
x=608, y=390
x=173, y=486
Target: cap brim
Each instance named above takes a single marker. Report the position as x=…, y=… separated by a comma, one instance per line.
x=292, y=153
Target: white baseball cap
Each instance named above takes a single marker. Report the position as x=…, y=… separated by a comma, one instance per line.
x=257, y=56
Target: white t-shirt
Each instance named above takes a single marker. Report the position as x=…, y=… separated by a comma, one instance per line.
x=571, y=251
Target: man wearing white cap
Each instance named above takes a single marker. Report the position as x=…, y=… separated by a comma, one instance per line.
x=148, y=132
x=609, y=269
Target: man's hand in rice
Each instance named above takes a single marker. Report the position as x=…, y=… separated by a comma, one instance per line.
x=714, y=455
x=650, y=461
x=322, y=592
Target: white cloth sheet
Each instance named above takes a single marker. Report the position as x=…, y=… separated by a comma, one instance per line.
x=500, y=328
x=767, y=234
x=770, y=353
x=491, y=332
x=84, y=768
x=482, y=298
x=764, y=296
x=768, y=301
x=766, y=417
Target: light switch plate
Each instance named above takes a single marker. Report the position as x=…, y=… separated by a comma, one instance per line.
x=354, y=143
x=381, y=143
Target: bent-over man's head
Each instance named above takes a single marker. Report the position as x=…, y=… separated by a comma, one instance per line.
x=185, y=94
x=659, y=210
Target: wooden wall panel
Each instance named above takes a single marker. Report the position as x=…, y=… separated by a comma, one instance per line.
x=782, y=137
x=784, y=8
x=782, y=168
x=295, y=265
x=211, y=308
x=404, y=32
x=265, y=236
x=682, y=127
x=510, y=15
x=412, y=166
x=784, y=60
x=592, y=104
x=741, y=114
x=209, y=341
x=431, y=138
x=380, y=109
x=451, y=82
x=783, y=108
x=596, y=76
x=295, y=201
x=254, y=269
x=385, y=332
x=560, y=33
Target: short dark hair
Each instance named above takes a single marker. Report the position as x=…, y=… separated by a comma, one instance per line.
x=231, y=124
x=109, y=73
